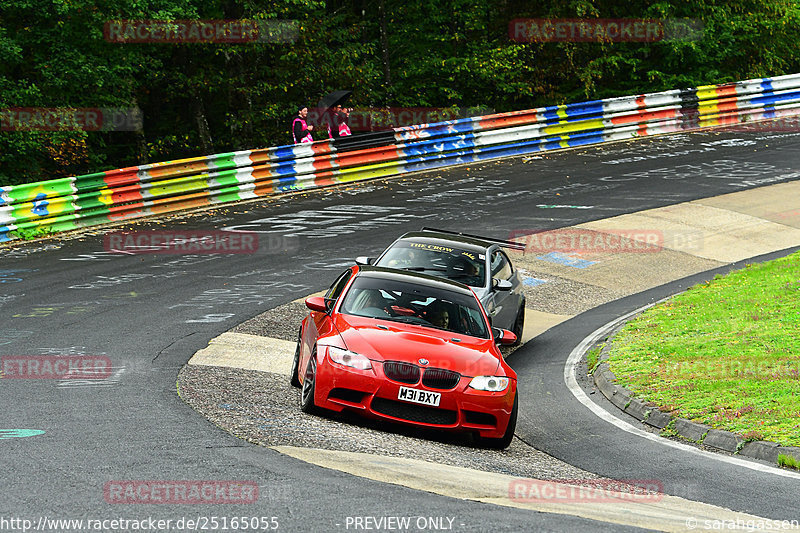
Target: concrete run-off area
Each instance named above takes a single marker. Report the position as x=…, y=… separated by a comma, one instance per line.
x=240, y=381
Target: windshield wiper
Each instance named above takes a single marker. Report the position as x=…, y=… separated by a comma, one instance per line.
x=423, y=269
x=461, y=276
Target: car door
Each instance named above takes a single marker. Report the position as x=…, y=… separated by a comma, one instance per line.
x=505, y=303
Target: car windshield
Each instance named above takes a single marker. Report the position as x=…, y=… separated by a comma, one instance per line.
x=464, y=266
x=410, y=303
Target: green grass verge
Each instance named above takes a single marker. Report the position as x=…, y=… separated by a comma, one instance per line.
x=593, y=358
x=31, y=234
x=788, y=461
x=725, y=353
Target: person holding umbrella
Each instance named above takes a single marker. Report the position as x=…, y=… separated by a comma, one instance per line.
x=332, y=105
x=301, y=132
x=344, y=127
x=337, y=122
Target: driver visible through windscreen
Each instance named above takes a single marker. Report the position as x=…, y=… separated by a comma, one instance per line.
x=415, y=304
x=460, y=265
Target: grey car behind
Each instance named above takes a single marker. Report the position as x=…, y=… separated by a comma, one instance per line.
x=478, y=262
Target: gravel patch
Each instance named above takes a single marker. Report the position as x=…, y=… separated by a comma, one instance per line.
x=280, y=323
x=564, y=296
x=263, y=408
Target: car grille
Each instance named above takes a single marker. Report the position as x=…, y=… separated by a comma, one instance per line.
x=402, y=372
x=414, y=413
x=434, y=378
x=439, y=378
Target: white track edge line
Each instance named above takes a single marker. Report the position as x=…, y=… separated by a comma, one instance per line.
x=572, y=384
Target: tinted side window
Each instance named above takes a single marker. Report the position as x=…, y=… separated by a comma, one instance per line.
x=338, y=286
x=501, y=266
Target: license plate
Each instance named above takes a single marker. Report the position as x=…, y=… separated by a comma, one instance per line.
x=419, y=396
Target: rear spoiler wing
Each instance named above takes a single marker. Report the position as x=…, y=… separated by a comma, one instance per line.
x=505, y=244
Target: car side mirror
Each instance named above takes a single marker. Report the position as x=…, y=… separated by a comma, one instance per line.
x=317, y=303
x=364, y=260
x=501, y=284
x=504, y=337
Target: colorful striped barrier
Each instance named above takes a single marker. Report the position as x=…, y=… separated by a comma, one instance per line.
x=122, y=194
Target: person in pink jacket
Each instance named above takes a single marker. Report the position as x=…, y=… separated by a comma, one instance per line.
x=301, y=132
x=337, y=124
x=344, y=127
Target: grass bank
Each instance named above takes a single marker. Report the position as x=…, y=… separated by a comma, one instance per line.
x=725, y=353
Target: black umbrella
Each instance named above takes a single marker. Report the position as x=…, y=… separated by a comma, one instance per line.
x=332, y=99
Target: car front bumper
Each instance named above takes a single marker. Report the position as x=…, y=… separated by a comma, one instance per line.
x=371, y=394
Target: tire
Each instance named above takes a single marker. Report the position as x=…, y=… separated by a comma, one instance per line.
x=505, y=441
x=309, y=386
x=295, y=379
x=519, y=324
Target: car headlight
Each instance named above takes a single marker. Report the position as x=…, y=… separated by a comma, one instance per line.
x=489, y=383
x=348, y=358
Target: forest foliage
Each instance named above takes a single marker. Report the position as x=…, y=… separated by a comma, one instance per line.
x=203, y=98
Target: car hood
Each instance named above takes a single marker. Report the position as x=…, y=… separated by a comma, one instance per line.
x=410, y=343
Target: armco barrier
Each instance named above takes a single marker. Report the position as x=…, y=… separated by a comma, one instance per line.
x=127, y=193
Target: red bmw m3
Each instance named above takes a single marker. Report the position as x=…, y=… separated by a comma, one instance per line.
x=409, y=348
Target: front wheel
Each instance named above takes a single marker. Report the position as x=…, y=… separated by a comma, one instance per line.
x=519, y=324
x=309, y=385
x=505, y=441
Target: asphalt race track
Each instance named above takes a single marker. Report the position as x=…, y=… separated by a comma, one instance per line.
x=147, y=314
